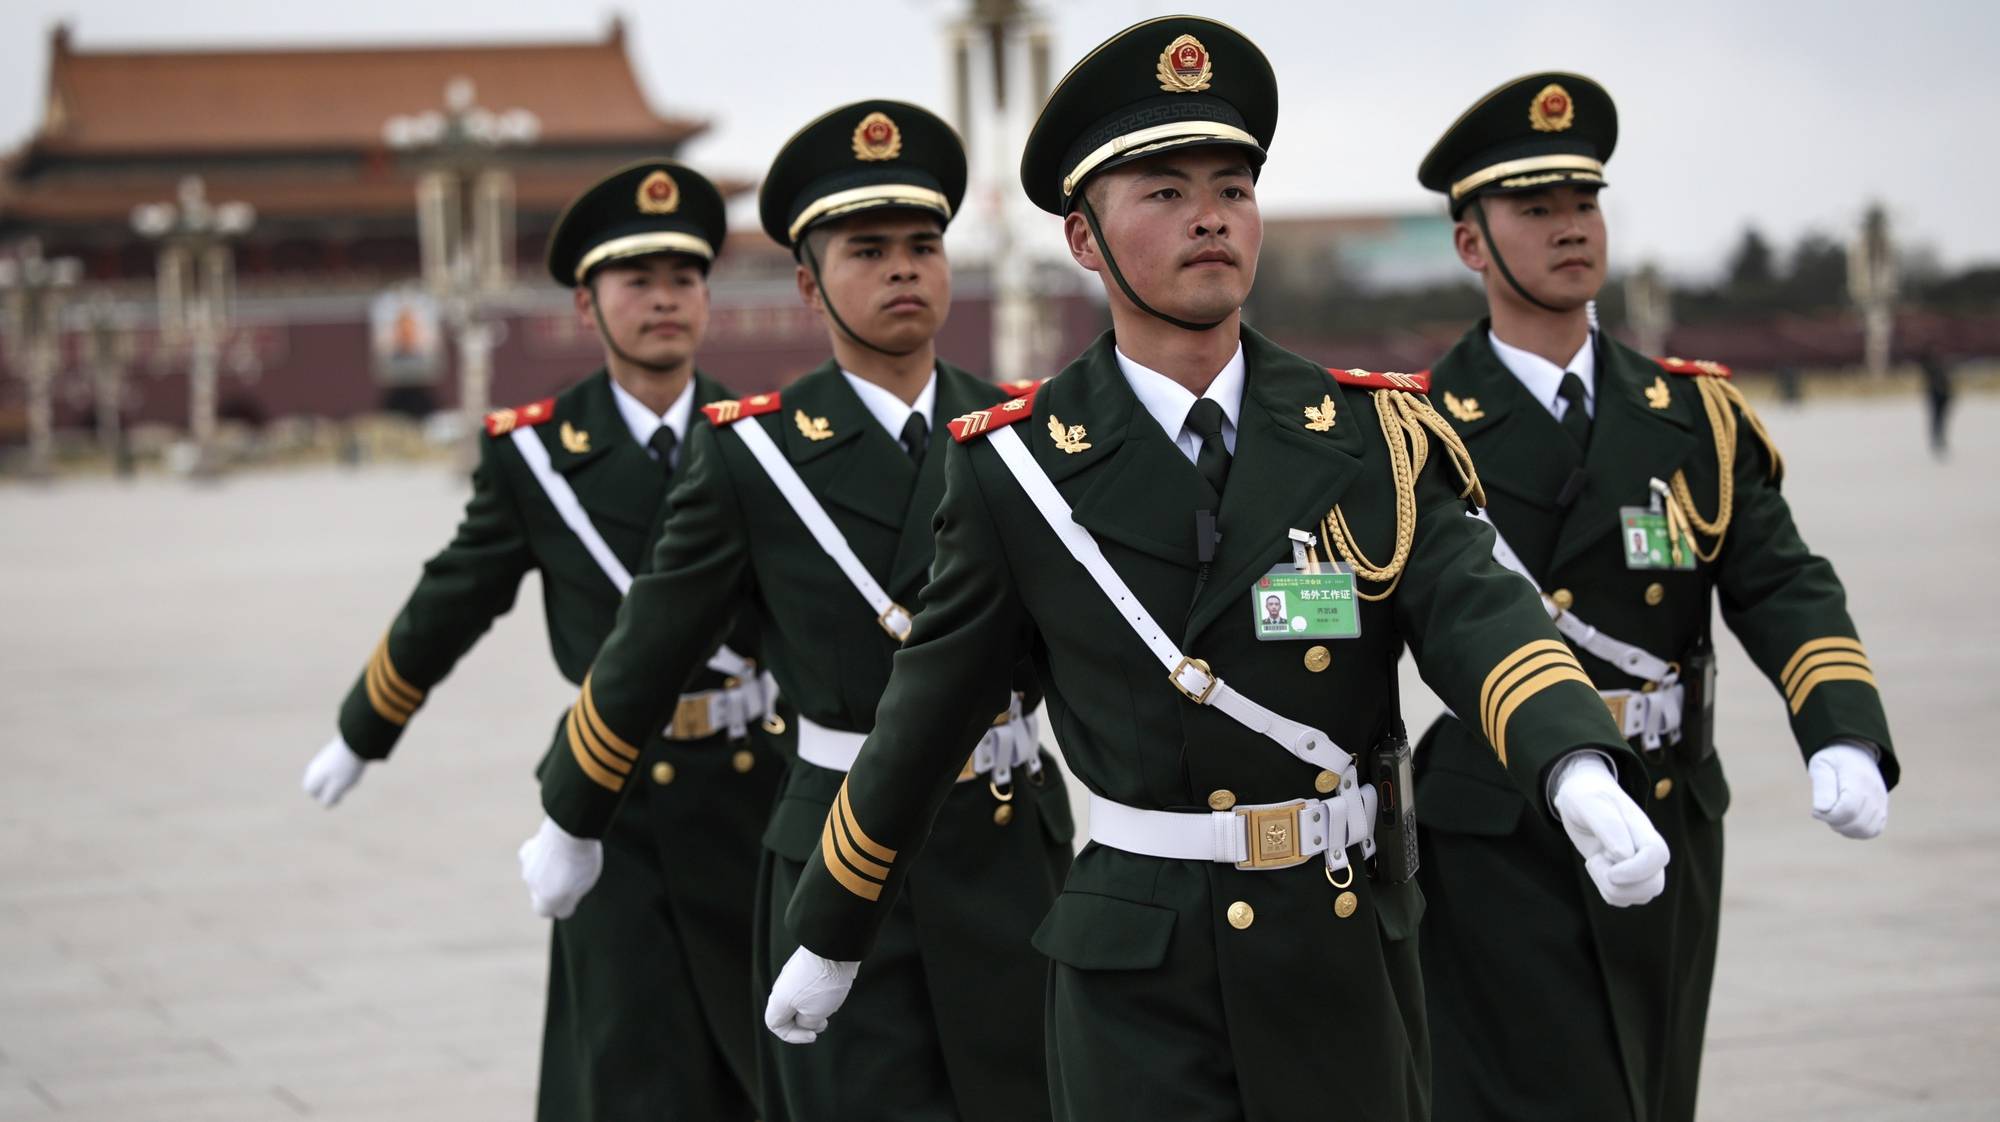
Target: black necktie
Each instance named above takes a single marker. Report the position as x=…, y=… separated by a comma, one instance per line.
x=663, y=443
x=916, y=436
x=1575, y=419
x=1205, y=421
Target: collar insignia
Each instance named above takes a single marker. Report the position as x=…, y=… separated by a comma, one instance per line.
x=1069, y=438
x=574, y=441
x=1462, y=408
x=1319, y=418
x=812, y=428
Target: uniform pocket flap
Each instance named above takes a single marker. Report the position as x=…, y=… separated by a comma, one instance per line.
x=794, y=828
x=1092, y=932
x=1460, y=804
x=1711, y=790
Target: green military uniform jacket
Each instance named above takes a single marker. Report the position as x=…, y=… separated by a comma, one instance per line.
x=1514, y=922
x=612, y=998
x=733, y=540
x=1160, y=1005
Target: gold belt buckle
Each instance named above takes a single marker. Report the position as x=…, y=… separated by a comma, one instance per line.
x=968, y=771
x=1617, y=707
x=691, y=719
x=1273, y=835
x=1198, y=664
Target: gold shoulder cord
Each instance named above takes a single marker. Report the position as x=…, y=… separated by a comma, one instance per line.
x=1412, y=414
x=1723, y=401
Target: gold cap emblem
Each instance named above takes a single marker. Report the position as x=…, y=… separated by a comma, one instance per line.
x=1184, y=66
x=1552, y=110
x=659, y=194
x=877, y=138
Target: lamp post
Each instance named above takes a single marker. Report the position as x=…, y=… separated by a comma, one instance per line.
x=465, y=225
x=36, y=289
x=1872, y=281
x=108, y=350
x=1649, y=306
x=196, y=281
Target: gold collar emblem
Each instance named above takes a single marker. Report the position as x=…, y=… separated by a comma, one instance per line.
x=1658, y=395
x=1319, y=418
x=877, y=138
x=659, y=194
x=574, y=441
x=1184, y=66
x=1069, y=438
x=812, y=428
x=1552, y=110
x=1463, y=408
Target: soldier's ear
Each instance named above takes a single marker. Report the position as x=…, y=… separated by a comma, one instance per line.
x=1082, y=246
x=808, y=287
x=583, y=295
x=1466, y=240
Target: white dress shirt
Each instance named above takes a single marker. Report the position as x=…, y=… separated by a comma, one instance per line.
x=1168, y=401
x=890, y=410
x=644, y=422
x=1544, y=378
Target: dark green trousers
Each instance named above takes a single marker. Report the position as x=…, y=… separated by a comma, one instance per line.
x=650, y=1010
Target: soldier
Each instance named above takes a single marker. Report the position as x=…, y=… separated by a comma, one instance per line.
x=816, y=507
x=645, y=1008
x=1635, y=492
x=1220, y=952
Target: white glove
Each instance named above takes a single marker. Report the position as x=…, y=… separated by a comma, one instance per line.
x=808, y=991
x=559, y=868
x=332, y=771
x=1847, y=790
x=1625, y=856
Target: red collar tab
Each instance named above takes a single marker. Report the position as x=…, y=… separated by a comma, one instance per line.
x=500, y=422
x=1420, y=382
x=1017, y=408
x=1693, y=367
x=722, y=413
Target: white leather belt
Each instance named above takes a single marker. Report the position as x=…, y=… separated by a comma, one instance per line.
x=1256, y=838
x=1653, y=715
x=1014, y=741
x=704, y=713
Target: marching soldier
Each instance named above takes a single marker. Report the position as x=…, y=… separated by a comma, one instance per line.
x=815, y=506
x=1634, y=493
x=1238, y=941
x=646, y=1017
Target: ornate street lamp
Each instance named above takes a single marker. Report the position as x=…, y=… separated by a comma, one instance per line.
x=35, y=290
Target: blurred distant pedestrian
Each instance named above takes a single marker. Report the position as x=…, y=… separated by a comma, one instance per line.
x=1937, y=392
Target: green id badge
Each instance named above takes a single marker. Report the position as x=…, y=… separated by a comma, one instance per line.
x=1288, y=604
x=1644, y=533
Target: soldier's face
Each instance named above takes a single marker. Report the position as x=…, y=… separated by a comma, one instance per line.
x=1553, y=241
x=1183, y=227
x=887, y=276
x=655, y=308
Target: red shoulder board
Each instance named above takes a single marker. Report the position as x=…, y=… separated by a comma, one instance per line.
x=1021, y=387
x=1693, y=367
x=1018, y=408
x=500, y=422
x=1420, y=382
x=729, y=412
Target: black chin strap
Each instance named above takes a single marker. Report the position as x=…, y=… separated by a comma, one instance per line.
x=1493, y=251
x=610, y=344
x=826, y=300
x=1104, y=251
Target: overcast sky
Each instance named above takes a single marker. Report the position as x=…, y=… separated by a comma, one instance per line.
x=1790, y=114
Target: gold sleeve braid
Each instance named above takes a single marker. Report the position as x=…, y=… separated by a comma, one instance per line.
x=1405, y=417
x=1723, y=402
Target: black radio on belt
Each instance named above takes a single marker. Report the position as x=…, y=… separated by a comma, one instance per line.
x=1697, y=741
x=1396, y=815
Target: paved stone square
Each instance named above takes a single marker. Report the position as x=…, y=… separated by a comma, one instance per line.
x=185, y=936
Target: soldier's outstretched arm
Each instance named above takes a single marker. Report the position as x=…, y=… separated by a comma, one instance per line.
x=673, y=617
x=468, y=585
x=1788, y=608
x=955, y=672
x=1484, y=642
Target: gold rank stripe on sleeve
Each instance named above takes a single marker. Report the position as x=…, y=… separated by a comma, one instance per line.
x=858, y=862
x=393, y=698
x=602, y=755
x=1832, y=659
x=1520, y=676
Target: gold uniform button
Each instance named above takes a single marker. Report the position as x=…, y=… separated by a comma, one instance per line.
x=775, y=725
x=1241, y=915
x=743, y=760
x=1655, y=593
x=1326, y=782
x=1003, y=814
x=1344, y=904
x=1221, y=800
x=1563, y=598
x=1318, y=659
x=663, y=773
x=1663, y=788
